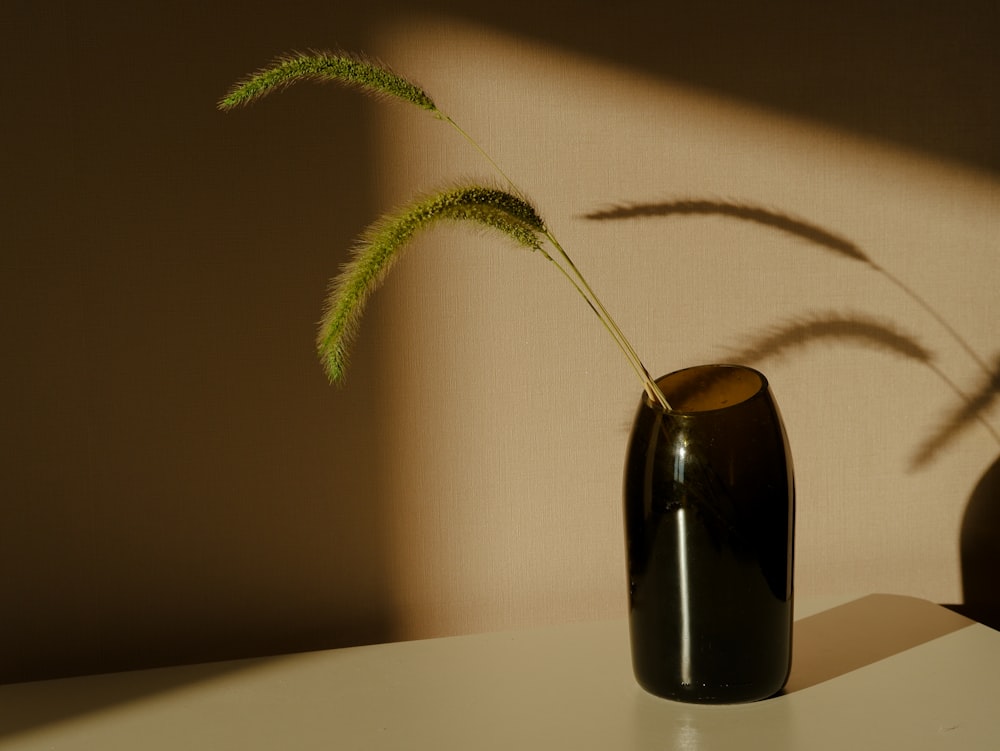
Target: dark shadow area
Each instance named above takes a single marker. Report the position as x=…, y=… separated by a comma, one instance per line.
x=178, y=484
x=859, y=633
x=38, y=704
x=921, y=75
x=980, y=551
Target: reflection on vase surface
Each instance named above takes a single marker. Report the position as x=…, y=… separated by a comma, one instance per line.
x=709, y=525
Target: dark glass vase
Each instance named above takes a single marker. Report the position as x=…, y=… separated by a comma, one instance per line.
x=709, y=532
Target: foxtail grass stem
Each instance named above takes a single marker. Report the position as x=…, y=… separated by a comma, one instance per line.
x=579, y=282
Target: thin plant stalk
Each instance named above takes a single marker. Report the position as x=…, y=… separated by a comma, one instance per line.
x=579, y=281
x=374, y=78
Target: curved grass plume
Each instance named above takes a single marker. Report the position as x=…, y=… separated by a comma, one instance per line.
x=380, y=246
x=353, y=70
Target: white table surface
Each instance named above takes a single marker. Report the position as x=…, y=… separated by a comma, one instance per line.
x=879, y=672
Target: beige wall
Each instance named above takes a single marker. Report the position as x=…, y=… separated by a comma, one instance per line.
x=181, y=484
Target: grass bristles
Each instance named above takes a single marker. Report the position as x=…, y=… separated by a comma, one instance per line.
x=352, y=70
x=381, y=245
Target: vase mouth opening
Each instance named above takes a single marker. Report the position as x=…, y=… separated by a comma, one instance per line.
x=708, y=388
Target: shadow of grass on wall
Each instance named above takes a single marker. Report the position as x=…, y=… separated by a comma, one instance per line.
x=861, y=330
x=836, y=327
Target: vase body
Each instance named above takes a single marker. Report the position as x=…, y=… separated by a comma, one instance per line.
x=709, y=508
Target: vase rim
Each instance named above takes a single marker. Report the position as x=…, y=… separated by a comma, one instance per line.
x=750, y=391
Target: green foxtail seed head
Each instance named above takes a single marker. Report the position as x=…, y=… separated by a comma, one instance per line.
x=383, y=243
x=352, y=70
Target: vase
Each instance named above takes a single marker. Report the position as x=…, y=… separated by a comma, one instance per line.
x=709, y=510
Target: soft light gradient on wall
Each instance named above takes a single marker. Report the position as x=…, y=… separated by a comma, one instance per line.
x=179, y=482
x=508, y=425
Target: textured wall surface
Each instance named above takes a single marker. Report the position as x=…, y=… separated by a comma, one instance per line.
x=812, y=192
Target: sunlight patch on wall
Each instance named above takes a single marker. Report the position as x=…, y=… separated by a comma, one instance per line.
x=506, y=423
